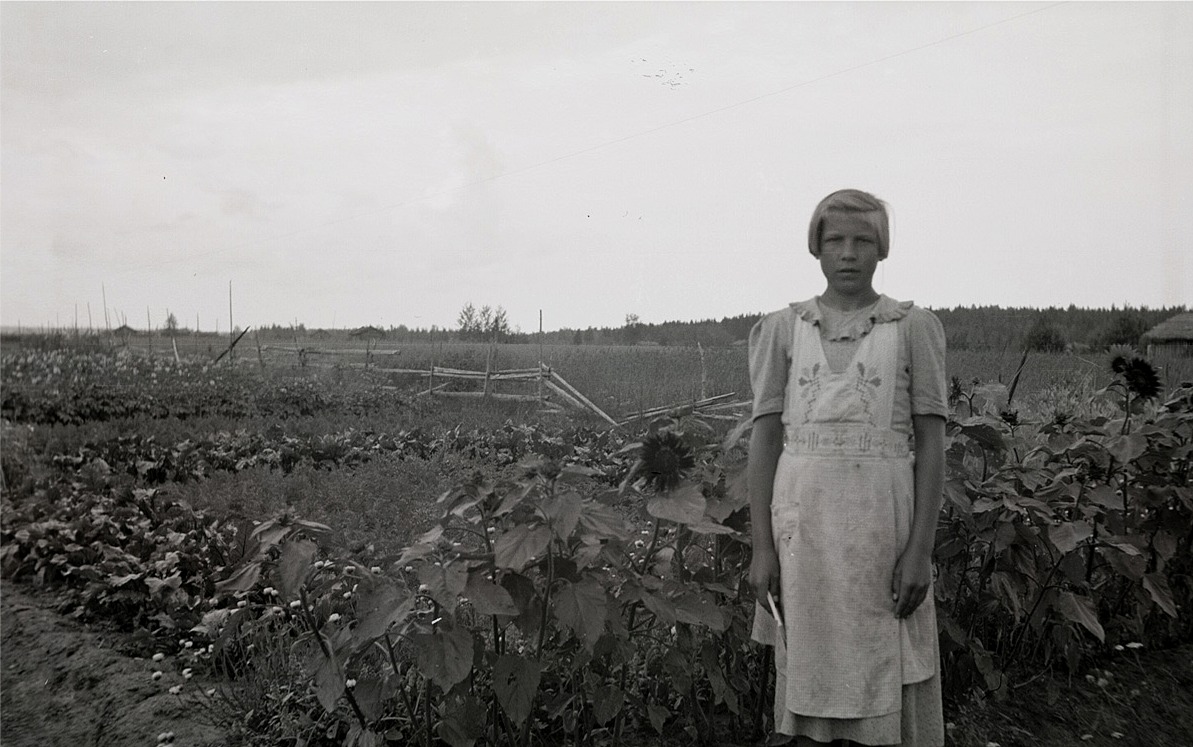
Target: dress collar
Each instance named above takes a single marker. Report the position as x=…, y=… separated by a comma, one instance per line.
x=885, y=309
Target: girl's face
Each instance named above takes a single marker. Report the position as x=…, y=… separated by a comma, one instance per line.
x=848, y=253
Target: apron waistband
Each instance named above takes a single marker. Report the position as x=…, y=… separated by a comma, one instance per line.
x=846, y=440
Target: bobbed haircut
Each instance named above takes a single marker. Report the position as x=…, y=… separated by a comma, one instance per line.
x=855, y=202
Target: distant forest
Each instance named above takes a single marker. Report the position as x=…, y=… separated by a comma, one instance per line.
x=967, y=328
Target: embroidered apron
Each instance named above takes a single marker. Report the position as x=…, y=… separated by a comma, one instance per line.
x=841, y=515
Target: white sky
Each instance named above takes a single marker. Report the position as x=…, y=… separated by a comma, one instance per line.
x=385, y=163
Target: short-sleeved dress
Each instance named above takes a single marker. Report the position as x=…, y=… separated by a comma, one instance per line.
x=847, y=386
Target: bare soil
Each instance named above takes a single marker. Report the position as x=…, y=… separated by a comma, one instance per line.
x=62, y=683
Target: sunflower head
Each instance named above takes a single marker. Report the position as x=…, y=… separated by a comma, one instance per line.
x=665, y=460
x=1141, y=378
x=1120, y=355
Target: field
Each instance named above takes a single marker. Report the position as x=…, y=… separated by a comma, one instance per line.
x=624, y=379
x=313, y=554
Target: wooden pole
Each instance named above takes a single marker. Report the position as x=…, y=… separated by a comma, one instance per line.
x=174, y=343
x=231, y=327
x=703, y=372
x=229, y=350
x=563, y=393
x=260, y=356
x=540, y=378
x=89, y=329
x=431, y=380
x=107, y=320
x=587, y=403
x=489, y=365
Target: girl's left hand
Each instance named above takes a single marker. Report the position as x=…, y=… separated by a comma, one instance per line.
x=912, y=580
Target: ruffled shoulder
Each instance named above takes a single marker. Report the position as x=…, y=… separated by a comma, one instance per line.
x=889, y=310
x=808, y=310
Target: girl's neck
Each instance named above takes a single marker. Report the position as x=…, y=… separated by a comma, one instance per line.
x=851, y=302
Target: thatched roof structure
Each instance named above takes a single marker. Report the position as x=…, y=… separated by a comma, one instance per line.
x=368, y=332
x=1174, y=329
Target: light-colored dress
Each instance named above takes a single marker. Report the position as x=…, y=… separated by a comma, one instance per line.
x=841, y=512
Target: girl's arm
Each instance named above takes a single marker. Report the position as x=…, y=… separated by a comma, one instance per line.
x=912, y=580
x=766, y=444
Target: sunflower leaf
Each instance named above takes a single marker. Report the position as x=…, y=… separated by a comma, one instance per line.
x=684, y=505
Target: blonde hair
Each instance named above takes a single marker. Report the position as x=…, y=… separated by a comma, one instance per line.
x=862, y=204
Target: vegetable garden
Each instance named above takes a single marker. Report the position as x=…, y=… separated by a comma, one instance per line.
x=514, y=579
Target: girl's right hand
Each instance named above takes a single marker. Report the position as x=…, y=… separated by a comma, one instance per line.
x=764, y=573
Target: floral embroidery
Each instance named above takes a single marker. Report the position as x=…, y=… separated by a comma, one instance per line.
x=867, y=389
x=809, y=388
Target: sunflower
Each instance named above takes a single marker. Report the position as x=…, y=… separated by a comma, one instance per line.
x=1120, y=356
x=1141, y=378
x=664, y=460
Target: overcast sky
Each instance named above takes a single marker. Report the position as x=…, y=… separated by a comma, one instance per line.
x=385, y=163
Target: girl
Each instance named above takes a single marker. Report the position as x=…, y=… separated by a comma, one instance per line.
x=844, y=518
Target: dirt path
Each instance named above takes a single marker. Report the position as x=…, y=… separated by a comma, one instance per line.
x=64, y=684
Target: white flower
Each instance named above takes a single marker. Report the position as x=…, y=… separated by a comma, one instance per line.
x=319, y=564
x=334, y=617
x=176, y=689
x=347, y=595
x=157, y=676
x=993, y=744
x=242, y=603
x=1116, y=734
x=376, y=569
x=269, y=591
x=1102, y=682
x=210, y=691
x=277, y=610
x=296, y=604
x=159, y=656
x=350, y=684
x=1134, y=644
x=187, y=673
x=1087, y=737
x=409, y=569
x=187, y=644
x=1118, y=647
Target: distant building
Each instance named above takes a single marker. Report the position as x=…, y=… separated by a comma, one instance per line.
x=367, y=333
x=124, y=331
x=1173, y=336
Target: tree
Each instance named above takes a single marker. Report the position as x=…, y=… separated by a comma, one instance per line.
x=499, y=326
x=171, y=322
x=633, y=328
x=1125, y=329
x=484, y=324
x=469, y=324
x=1045, y=337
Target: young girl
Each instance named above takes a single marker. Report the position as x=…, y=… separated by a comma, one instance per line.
x=844, y=517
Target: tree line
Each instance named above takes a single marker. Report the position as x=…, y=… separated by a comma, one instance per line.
x=966, y=328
